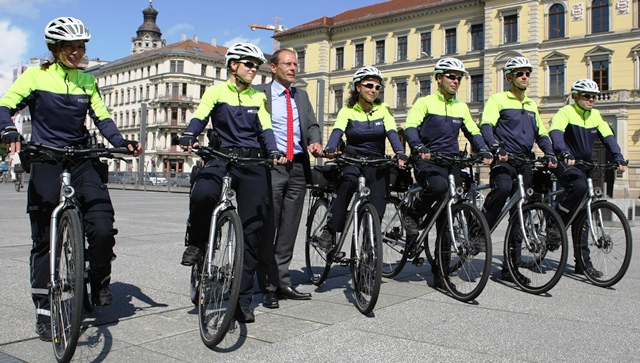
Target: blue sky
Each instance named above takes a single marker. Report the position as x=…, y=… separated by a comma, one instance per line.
x=112, y=23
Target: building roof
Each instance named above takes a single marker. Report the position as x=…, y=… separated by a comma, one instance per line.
x=367, y=13
x=185, y=47
x=188, y=46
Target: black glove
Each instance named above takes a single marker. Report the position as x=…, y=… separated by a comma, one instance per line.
x=550, y=159
x=498, y=150
x=485, y=154
x=421, y=149
x=402, y=156
x=330, y=150
x=187, y=139
x=274, y=155
x=567, y=156
x=620, y=162
x=126, y=143
x=10, y=134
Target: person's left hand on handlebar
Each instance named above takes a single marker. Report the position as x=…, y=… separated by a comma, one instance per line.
x=551, y=160
x=133, y=146
x=622, y=164
x=486, y=155
x=331, y=152
x=402, y=159
x=276, y=157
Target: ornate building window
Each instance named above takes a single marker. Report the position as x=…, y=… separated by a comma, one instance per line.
x=600, y=16
x=477, y=36
x=556, y=21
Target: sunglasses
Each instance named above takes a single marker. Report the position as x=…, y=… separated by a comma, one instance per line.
x=588, y=96
x=520, y=74
x=371, y=85
x=249, y=64
x=453, y=77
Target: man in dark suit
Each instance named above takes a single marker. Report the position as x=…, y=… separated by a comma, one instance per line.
x=296, y=130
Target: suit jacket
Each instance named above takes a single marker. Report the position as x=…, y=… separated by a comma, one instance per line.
x=309, y=129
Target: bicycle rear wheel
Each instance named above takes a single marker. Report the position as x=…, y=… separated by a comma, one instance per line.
x=66, y=297
x=318, y=258
x=610, y=253
x=392, y=229
x=540, y=264
x=366, y=259
x=220, y=279
x=465, y=262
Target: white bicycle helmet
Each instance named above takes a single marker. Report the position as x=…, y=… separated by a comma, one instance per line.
x=65, y=28
x=244, y=50
x=585, y=85
x=365, y=72
x=517, y=62
x=449, y=64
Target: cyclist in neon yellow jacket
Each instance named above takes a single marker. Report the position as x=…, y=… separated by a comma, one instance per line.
x=511, y=124
x=59, y=98
x=573, y=130
x=433, y=125
x=242, y=127
x=367, y=123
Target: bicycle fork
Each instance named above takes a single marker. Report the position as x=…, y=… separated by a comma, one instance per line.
x=226, y=195
x=66, y=192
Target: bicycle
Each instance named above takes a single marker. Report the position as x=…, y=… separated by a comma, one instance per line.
x=215, y=279
x=70, y=282
x=363, y=222
x=18, y=182
x=538, y=232
x=461, y=250
x=600, y=227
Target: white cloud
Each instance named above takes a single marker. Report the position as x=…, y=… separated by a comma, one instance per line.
x=180, y=28
x=15, y=45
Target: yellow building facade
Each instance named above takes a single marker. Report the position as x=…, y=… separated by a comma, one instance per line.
x=564, y=40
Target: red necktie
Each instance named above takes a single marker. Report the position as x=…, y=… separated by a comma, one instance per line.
x=289, y=125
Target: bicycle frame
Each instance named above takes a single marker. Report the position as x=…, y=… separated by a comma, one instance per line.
x=516, y=201
x=585, y=204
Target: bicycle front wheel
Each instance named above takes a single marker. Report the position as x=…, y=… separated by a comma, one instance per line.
x=220, y=279
x=66, y=296
x=394, y=254
x=317, y=257
x=536, y=266
x=366, y=259
x=606, y=258
x=465, y=261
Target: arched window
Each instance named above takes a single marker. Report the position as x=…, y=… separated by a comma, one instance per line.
x=556, y=21
x=600, y=16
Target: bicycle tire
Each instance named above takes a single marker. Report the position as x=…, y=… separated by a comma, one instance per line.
x=610, y=254
x=317, y=258
x=218, y=292
x=465, y=264
x=394, y=255
x=194, y=283
x=366, y=259
x=66, y=299
x=544, y=261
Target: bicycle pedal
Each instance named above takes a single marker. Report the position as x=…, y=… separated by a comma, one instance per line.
x=418, y=261
x=345, y=262
x=339, y=256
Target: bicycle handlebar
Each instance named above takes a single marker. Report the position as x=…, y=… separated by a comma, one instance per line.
x=209, y=152
x=456, y=159
x=526, y=160
x=590, y=165
x=380, y=162
x=38, y=149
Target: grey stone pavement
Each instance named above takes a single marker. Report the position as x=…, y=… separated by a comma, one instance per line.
x=153, y=320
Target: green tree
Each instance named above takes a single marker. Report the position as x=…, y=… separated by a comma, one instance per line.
x=4, y=150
